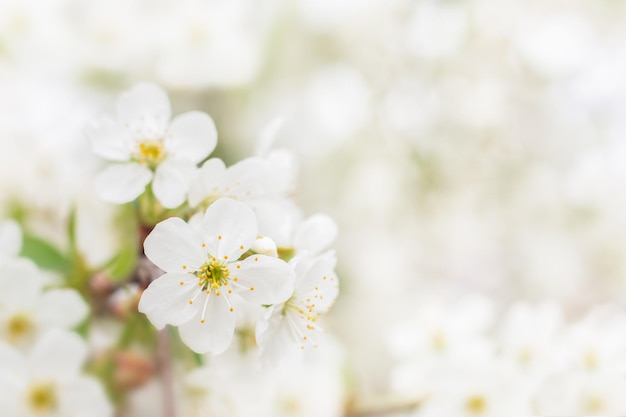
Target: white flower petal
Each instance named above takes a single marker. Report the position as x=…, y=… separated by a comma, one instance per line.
x=109, y=140
x=58, y=355
x=318, y=282
x=21, y=283
x=216, y=333
x=277, y=218
x=144, y=100
x=166, y=301
x=277, y=341
x=284, y=169
x=263, y=279
x=12, y=364
x=61, y=308
x=315, y=234
x=233, y=226
x=194, y=136
x=206, y=181
x=171, y=181
x=122, y=183
x=174, y=246
x=268, y=135
x=247, y=179
x=10, y=239
x=196, y=221
x=84, y=397
x=10, y=404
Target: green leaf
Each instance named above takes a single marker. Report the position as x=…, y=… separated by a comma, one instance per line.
x=44, y=254
x=123, y=264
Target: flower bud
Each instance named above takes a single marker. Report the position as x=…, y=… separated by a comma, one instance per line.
x=265, y=246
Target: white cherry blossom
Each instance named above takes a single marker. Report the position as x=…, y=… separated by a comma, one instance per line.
x=247, y=180
x=314, y=234
x=470, y=389
x=576, y=393
x=206, y=276
x=48, y=382
x=26, y=311
x=147, y=148
x=293, y=324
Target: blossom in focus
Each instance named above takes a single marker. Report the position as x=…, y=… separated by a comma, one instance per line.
x=206, y=276
x=263, y=183
x=48, y=381
x=293, y=324
x=26, y=310
x=247, y=180
x=147, y=148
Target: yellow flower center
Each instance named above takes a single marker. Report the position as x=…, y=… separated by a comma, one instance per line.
x=19, y=326
x=439, y=341
x=150, y=152
x=213, y=275
x=590, y=359
x=42, y=398
x=476, y=404
x=594, y=405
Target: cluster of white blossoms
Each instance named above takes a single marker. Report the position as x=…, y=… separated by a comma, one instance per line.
x=41, y=360
x=458, y=359
x=242, y=248
x=467, y=145
x=190, y=43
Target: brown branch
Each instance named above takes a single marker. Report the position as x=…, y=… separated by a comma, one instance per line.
x=164, y=352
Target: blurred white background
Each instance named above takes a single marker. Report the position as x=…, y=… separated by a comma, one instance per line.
x=472, y=153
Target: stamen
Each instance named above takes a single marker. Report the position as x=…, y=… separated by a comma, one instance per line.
x=195, y=296
x=206, y=302
x=230, y=306
x=299, y=335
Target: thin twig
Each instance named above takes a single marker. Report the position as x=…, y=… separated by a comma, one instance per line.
x=164, y=360
x=163, y=353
